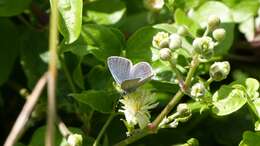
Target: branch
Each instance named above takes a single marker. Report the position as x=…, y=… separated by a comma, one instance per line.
x=110, y=118
x=65, y=132
x=152, y=128
x=23, y=117
x=53, y=41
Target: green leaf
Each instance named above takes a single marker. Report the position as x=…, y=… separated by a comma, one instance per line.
x=33, y=44
x=98, y=40
x=224, y=46
x=13, y=7
x=170, y=28
x=133, y=22
x=228, y=100
x=252, y=85
x=104, y=12
x=162, y=86
x=70, y=19
x=231, y=3
x=73, y=65
x=38, y=137
x=187, y=4
x=99, y=78
x=182, y=19
x=244, y=10
x=9, y=48
x=212, y=8
x=138, y=47
x=162, y=71
x=99, y=100
x=250, y=139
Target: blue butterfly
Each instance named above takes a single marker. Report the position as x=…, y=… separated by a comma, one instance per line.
x=127, y=75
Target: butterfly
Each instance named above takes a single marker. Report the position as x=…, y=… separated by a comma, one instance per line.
x=127, y=75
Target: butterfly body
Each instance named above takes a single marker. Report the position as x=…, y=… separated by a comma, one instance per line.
x=127, y=75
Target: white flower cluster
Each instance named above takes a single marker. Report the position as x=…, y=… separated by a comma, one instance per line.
x=136, y=108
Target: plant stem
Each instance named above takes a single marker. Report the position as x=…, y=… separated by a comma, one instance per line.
x=209, y=81
x=175, y=100
x=20, y=123
x=65, y=132
x=194, y=65
x=67, y=74
x=110, y=118
x=53, y=41
x=252, y=107
x=178, y=74
x=134, y=138
x=206, y=32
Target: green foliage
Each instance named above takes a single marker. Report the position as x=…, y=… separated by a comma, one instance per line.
x=212, y=8
x=89, y=99
x=102, y=101
x=182, y=19
x=38, y=137
x=12, y=7
x=250, y=139
x=9, y=48
x=227, y=100
x=70, y=19
x=138, y=46
x=33, y=46
x=98, y=40
x=104, y=12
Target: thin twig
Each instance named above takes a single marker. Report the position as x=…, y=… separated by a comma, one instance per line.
x=23, y=117
x=65, y=132
x=110, y=118
x=53, y=41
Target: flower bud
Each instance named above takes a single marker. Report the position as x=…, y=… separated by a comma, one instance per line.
x=161, y=40
x=219, y=34
x=203, y=45
x=165, y=54
x=153, y=5
x=182, y=31
x=213, y=22
x=193, y=142
x=198, y=90
x=175, y=41
x=183, y=109
x=75, y=140
x=219, y=70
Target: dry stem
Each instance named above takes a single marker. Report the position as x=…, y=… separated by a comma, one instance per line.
x=24, y=116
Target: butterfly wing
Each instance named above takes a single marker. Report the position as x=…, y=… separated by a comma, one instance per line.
x=142, y=70
x=119, y=67
x=139, y=74
x=130, y=85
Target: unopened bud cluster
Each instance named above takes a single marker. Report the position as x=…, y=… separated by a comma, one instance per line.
x=183, y=110
x=167, y=43
x=213, y=22
x=205, y=45
x=219, y=70
x=75, y=140
x=182, y=114
x=198, y=90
